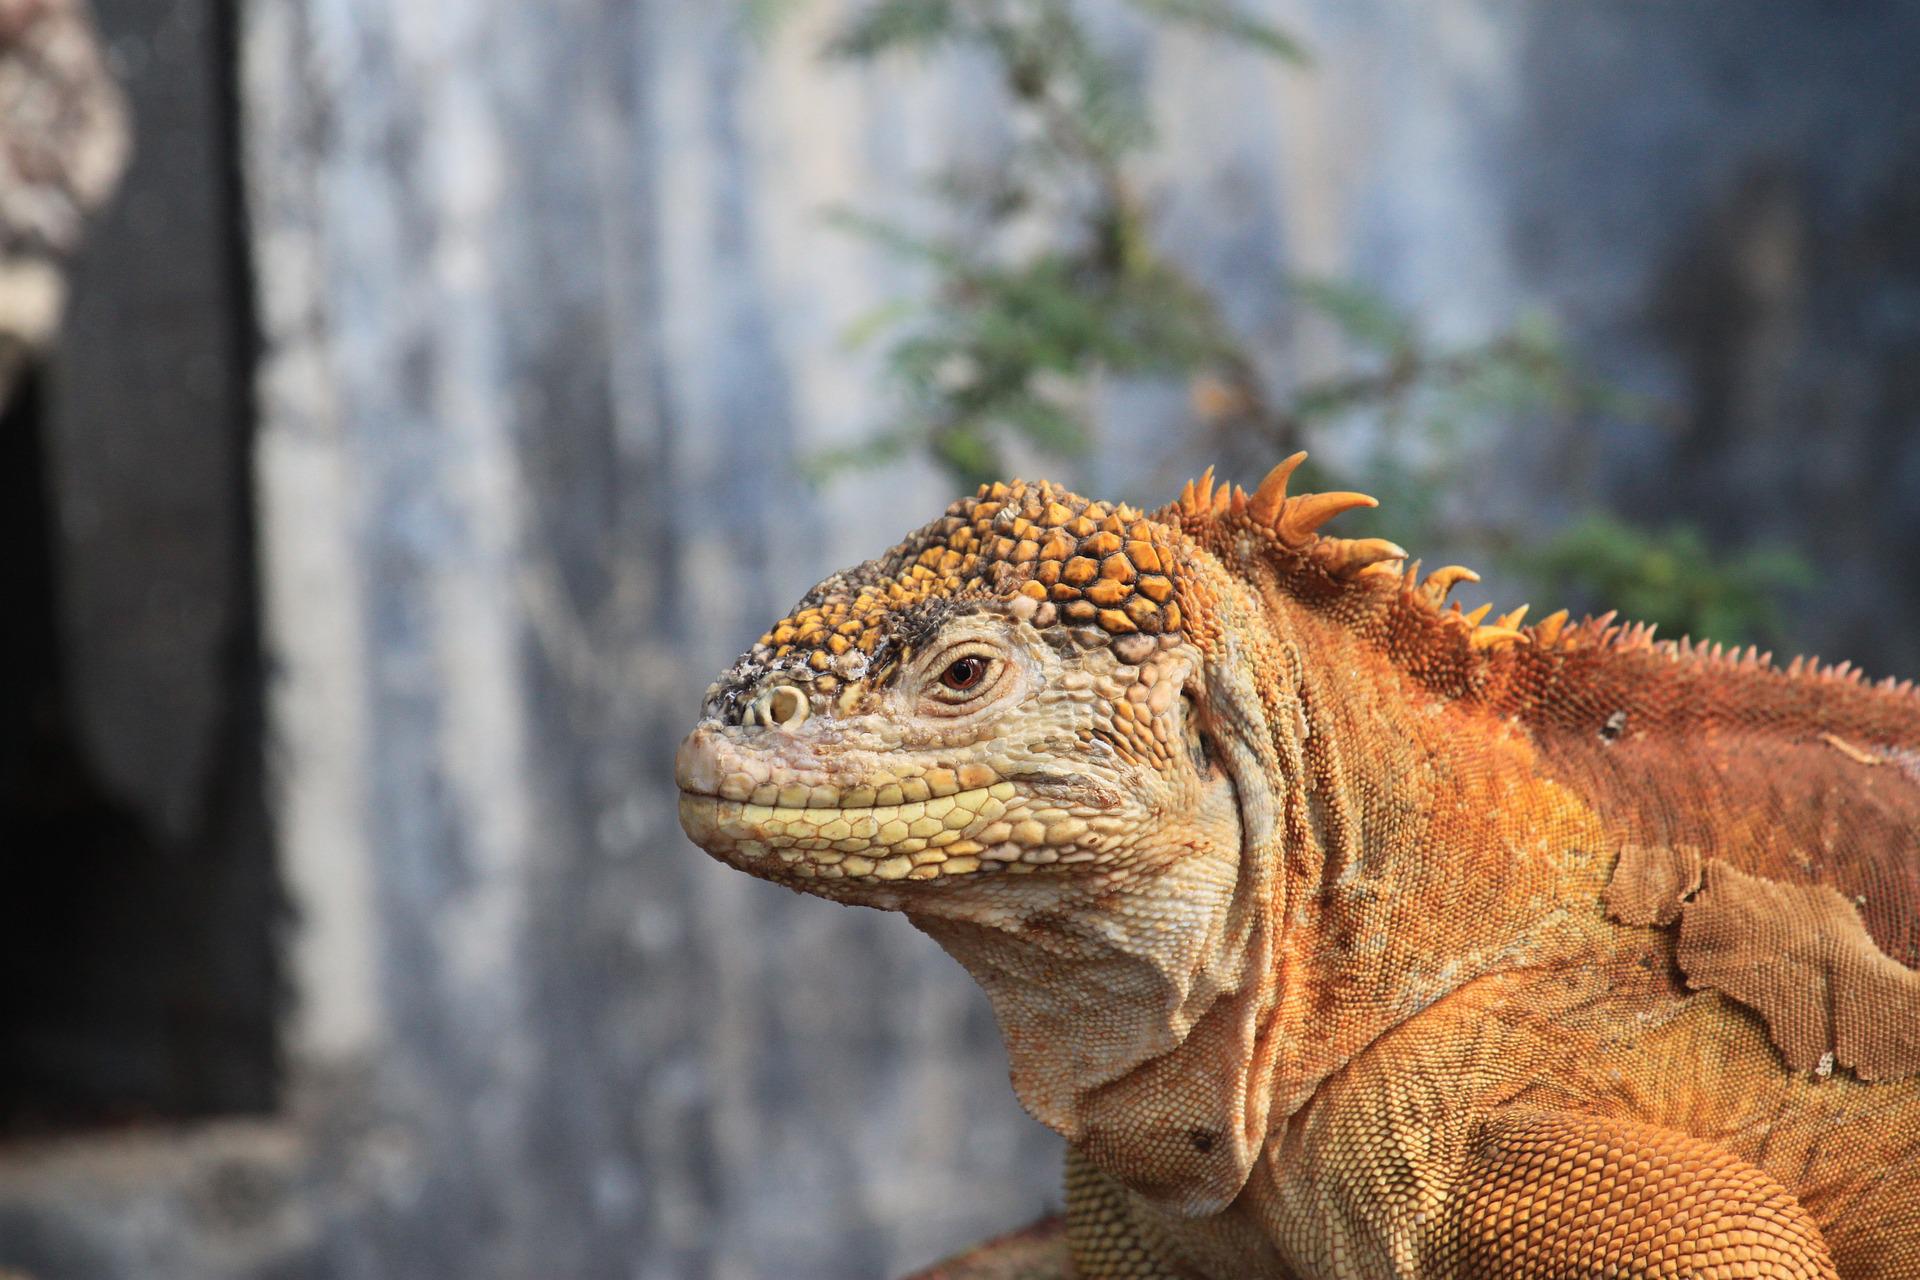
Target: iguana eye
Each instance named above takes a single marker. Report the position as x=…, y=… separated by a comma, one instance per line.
x=964, y=679
x=963, y=674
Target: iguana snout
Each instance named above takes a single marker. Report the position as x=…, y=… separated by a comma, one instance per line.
x=788, y=800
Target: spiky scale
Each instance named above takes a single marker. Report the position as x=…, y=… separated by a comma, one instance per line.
x=1548, y=629
x=1301, y=517
x=1271, y=495
x=1202, y=502
x=1444, y=579
x=1344, y=557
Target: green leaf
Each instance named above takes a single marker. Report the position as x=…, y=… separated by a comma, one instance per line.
x=1100, y=97
x=896, y=24
x=873, y=322
x=1672, y=577
x=1361, y=314
x=874, y=451
x=1221, y=18
x=892, y=237
x=762, y=19
x=1048, y=425
x=968, y=455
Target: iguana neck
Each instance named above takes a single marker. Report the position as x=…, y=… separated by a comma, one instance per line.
x=1129, y=1018
x=1125, y=999
x=1087, y=991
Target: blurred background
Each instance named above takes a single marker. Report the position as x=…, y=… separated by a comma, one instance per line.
x=409, y=406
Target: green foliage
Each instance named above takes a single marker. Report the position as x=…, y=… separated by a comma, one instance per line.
x=761, y=20
x=1363, y=315
x=1223, y=19
x=1673, y=578
x=1014, y=329
x=1008, y=342
x=897, y=24
x=1401, y=374
x=1003, y=349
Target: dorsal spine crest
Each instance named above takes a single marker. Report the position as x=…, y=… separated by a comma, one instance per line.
x=1311, y=563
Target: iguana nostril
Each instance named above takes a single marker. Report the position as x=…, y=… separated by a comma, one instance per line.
x=786, y=707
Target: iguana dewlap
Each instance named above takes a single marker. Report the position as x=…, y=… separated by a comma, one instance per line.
x=1341, y=935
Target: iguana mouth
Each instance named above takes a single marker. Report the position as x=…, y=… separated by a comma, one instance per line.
x=915, y=840
x=907, y=822
x=989, y=828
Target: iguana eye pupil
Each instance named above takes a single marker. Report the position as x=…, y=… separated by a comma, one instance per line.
x=963, y=673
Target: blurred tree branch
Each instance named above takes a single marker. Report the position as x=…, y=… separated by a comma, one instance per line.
x=1010, y=340
x=1055, y=282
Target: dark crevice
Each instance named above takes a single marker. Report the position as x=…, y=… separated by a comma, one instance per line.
x=144, y=981
x=234, y=806
x=76, y=865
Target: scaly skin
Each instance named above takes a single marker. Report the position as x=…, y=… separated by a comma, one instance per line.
x=1342, y=935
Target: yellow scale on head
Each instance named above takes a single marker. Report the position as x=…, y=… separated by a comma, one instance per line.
x=1083, y=563
x=1093, y=565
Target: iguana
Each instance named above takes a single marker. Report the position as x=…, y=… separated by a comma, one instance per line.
x=1345, y=934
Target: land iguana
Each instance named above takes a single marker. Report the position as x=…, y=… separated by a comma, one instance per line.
x=1345, y=934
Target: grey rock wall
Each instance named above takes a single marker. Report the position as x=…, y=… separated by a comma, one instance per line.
x=534, y=343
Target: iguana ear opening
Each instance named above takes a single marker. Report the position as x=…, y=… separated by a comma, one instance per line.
x=1203, y=750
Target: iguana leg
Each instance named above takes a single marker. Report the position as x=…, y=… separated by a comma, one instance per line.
x=1104, y=1238
x=1564, y=1197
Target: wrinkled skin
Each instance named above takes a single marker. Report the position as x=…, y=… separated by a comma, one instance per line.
x=1342, y=937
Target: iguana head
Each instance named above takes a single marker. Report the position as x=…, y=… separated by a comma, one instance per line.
x=1015, y=693
x=1034, y=689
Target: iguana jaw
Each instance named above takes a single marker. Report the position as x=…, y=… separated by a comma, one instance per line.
x=837, y=813
x=869, y=806
x=908, y=821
